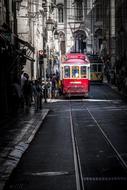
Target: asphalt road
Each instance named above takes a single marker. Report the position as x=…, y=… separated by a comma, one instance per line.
x=85, y=137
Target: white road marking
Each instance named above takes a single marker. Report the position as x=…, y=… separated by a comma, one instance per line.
x=105, y=178
x=85, y=100
x=48, y=173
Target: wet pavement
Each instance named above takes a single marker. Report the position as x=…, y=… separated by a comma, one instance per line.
x=17, y=133
x=99, y=125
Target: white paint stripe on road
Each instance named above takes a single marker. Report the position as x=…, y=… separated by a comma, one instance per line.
x=118, y=178
x=85, y=100
x=48, y=173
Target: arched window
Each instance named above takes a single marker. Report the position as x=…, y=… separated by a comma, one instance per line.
x=60, y=13
x=62, y=42
x=78, y=10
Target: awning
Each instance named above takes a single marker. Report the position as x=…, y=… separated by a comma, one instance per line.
x=20, y=52
x=26, y=50
x=4, y=37
x=29, y=58
x=27, y=44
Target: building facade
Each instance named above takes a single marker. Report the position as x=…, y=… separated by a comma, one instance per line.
x=121, y=36
x=36, y=35
x=31, y=28
x=103, y=29
x=72, y=29
x=9, y=55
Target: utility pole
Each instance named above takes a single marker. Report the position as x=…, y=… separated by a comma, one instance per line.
x=91, y=23
x=112, y=31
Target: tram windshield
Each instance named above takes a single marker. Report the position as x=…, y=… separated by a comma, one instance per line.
x=75, y=71
x=66, y=72
x=100, y=68
x=83, y=71
x=94, y=68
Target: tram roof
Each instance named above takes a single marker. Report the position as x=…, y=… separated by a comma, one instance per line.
x=76, y=56
x=94, y=58
x=76, y=61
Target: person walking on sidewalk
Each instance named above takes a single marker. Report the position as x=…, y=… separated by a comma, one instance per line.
x=45, y=91
x=54, y=84
x=16, y=95
x=49, y=86
x=40, y=92
x=27, y=91
x=35, y=94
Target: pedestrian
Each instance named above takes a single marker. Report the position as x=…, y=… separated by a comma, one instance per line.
x=23, y=79
x=112, y=77
x=59, y=87
x=40, y=92
x=49, y=88
x=16, y=95
x=45, y=91
x=108, y=75
x=27, y=92
x=54, y=83
x=31, y=97
x=125, y=84
x=36, y=94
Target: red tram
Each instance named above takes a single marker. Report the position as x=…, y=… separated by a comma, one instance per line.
x=75, y=75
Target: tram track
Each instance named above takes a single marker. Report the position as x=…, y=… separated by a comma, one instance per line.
x=80, y=179
x=76, y=156
x=123, y=163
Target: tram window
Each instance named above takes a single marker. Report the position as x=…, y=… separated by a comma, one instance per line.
x=99, y=68
x=75, y=72
x=94, y=68
x=83, y=71
x=66, y=72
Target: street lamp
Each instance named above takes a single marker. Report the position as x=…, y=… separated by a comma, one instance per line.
x=49, y=24
x=56, y=34
x=104, y=41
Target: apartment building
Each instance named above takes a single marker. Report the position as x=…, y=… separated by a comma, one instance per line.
x=103, y=29
x=121, y=34
x=71, y=25
x=8, y=51
x=30, y=28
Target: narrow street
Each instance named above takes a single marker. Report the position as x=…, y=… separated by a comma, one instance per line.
x=80, y=145
x=63, y=94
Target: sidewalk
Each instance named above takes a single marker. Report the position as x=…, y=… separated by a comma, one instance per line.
x=115, y=88
x=16, y=133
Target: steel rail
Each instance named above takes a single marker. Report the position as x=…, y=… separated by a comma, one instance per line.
x=77, y=164
x=123, y=163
